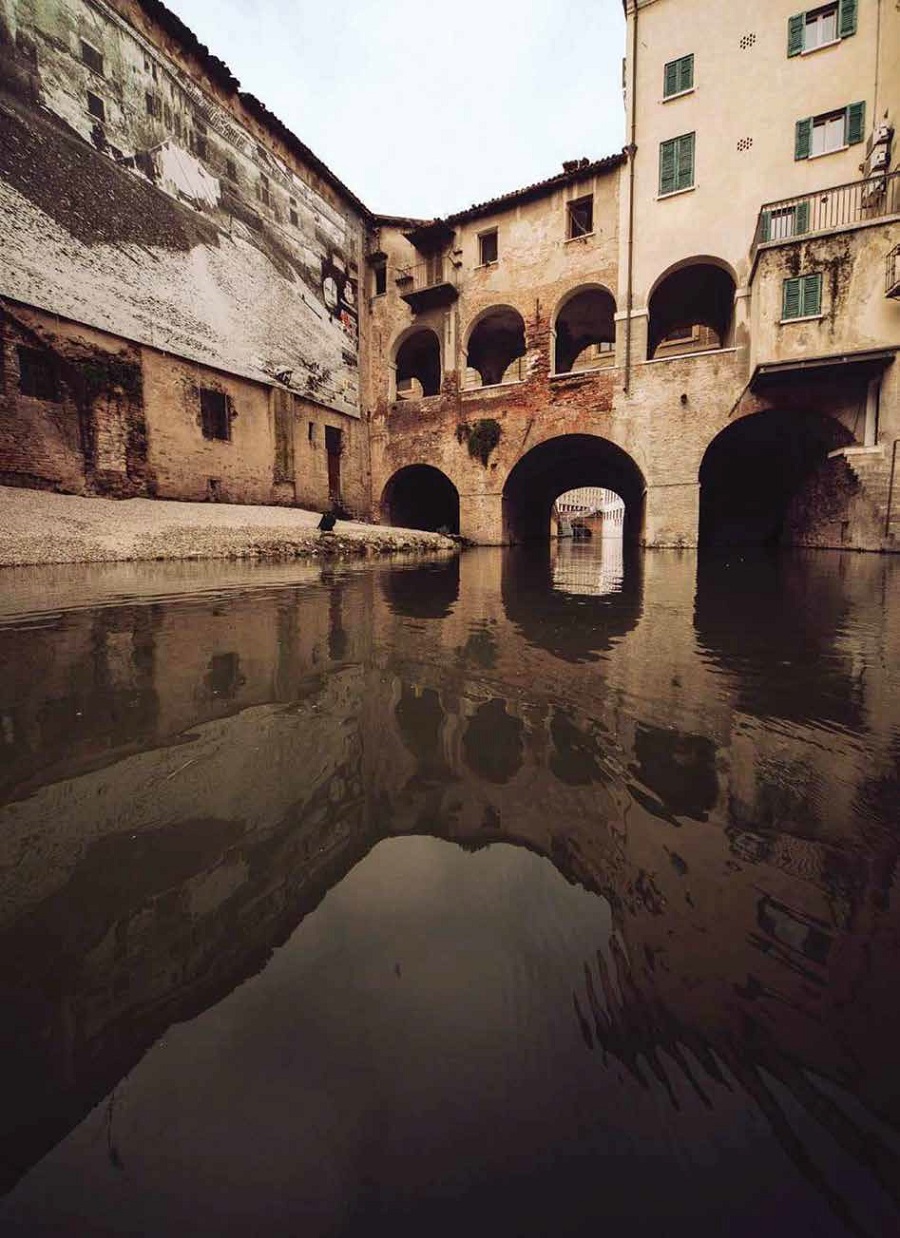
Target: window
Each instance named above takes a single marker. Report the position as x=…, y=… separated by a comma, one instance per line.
x=487, y=248
x=154, y=107
x=295, y=218
x=820, y=135
x=262, y=190
x=581, y=216
x=96, y=106
x=230, y=170
x=785, y=222
x=198, y=138
x=676, y=164
x=379, y=278
x=214, y=419
x=678, y=76
x=92, y=58
x=311, y=432
x=821, y=26
x=37, y=374
x=802, y=297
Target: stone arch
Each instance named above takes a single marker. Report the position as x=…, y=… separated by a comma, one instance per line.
x=759, y=479
x=566, y=463
x=420, y=496
x=691, y=307
x=584, y=329
x=416, y=363
x=495, y=347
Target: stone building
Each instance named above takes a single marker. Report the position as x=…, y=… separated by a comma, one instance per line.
x=705, y=324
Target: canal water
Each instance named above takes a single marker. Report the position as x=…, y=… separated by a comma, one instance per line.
x=514, y=894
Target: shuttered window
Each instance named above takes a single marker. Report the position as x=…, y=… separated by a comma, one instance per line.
x=802, y=296
x=676, y=164
x=784, y=223
x=819, y=135
x=821, y=26
x=678, y=76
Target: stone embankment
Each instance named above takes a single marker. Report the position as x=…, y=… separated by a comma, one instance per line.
x=40, y=527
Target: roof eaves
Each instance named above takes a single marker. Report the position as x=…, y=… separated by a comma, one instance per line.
x=539, y=189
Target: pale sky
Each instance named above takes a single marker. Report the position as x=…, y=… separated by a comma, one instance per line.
x=423, y=108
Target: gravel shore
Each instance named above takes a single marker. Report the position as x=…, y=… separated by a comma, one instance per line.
x=39, y=527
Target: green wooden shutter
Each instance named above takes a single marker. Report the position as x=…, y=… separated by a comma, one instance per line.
x=686, y=72
x=684, y=176
x=856, y=123
x=765, y=225
x=801, y=217
x=791, y=298
x=795, y=34
x=803, y=138
x=847, y=22
x=810, y=295
x=670, y=81
x=667, y=167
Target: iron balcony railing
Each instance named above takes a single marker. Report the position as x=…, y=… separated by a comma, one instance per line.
x=429, y=274
x=828, y=209
x=892, y=273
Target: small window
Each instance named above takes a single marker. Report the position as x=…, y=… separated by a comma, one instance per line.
x=802, y=297
x=678, y=76
x=214, y=419
x=96, y=106
x=295, y=218
x=92, y=58
x=581, y=216
x=37, y=374
x=379, y=278
x=785, y=222
x=230, y=170
x=487, y=248
x=822, y=135
x=154, y=107
x=198, y=141
x=821, y=26
x=262, y=190
x=676, y=164
x=311, y=433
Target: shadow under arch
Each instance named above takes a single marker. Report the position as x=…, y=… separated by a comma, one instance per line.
x=690, y=307
x=495, y=342
x=416, y=358
x=584, y=322
x=567, y=463
x=573, y=627
x=756, y=469
x=420, y=496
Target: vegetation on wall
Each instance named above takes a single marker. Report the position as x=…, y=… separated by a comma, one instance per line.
x=481, y=437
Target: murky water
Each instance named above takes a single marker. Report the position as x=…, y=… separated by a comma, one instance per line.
x=505, y=896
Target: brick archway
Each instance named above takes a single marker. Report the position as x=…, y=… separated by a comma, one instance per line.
x=421, y=497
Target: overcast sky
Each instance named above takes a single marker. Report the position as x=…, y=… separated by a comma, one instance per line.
x=424, y=108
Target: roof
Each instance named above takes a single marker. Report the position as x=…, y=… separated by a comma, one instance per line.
x=573, y=171
x=220, y=73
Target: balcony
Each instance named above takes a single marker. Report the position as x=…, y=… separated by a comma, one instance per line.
x=828, y=210
x=428, y=285
x=892, y=274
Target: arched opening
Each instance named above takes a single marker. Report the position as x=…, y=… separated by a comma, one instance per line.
x=421, y=497
x=758, y=479
x=496, y=348
x=585, y=331
x=567, y=463
x=691, y=310
x=418, y=365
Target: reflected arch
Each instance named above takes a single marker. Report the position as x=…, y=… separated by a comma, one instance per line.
x=584, y=330
x=495, y=347
x=567, y=463
x=691, y=308
x=421, y=497
x=417, y=364
x=759, y=479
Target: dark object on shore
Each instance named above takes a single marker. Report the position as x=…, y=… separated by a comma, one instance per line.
x=581, y=533
x=327, y=523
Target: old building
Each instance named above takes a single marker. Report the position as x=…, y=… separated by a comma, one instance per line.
x=705, y=324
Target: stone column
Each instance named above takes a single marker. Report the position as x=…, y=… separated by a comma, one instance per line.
x=672, y=514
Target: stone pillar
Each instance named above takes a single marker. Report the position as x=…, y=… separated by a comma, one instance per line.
x=481, y=518
x=873, y=391
x=672, y=514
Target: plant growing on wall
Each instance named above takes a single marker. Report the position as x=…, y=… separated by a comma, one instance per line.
x=481, y=437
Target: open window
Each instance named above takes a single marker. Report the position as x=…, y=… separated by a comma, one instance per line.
x=488, y=251
x=580, y=214
x=214, y=420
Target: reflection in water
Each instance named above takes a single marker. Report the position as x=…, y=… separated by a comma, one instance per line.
x=588, y=570
x=663, y=940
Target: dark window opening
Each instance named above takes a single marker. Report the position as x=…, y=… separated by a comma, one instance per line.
x=230, y=170
x=379, y=276
x=691, y=310
x=96, y=106
x=198, y=138
x=585, y=332
x=37, y=374
x=92, y=58
x=487, y=248
x=311, y=432
x=262, y=190
x=496, y=349
x=581, y=217
x=167, y=116
x=154, y=106
x=295, y=218
x=214, y=418
x=419, y=366
x=334, y=448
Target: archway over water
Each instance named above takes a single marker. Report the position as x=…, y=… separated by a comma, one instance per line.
x=567, y=463
x=421, y=497
x=758, y=479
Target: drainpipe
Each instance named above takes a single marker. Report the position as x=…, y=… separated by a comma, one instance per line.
x=631, y=151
